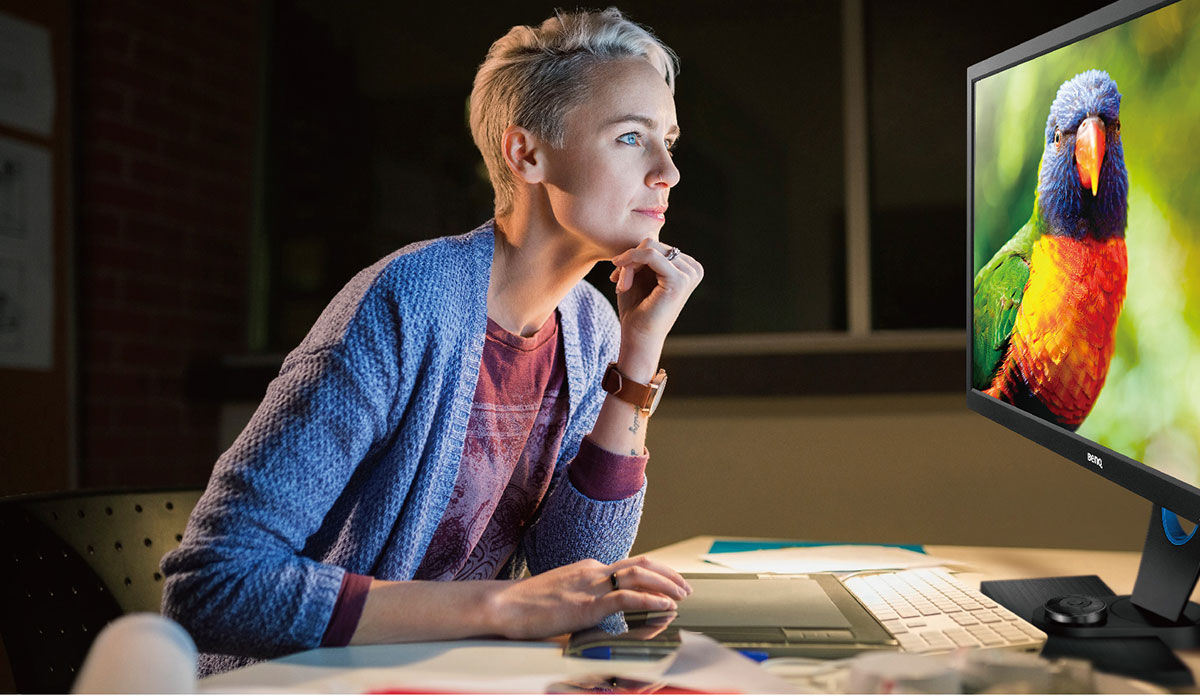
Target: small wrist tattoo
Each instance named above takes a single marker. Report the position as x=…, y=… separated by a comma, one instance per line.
x=636, y=414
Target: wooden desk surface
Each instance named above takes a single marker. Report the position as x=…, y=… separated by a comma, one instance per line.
x=1117, y=569
x=356, y=669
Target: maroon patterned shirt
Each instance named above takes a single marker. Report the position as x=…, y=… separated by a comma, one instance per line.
x=513, y=436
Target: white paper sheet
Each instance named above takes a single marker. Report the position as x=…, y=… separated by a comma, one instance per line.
x=703, y=664
x=808, y=560
x=26, y=76
x=698, y=664
x=26, y=264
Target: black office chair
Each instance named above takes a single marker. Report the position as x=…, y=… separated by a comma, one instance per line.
x=74, y=561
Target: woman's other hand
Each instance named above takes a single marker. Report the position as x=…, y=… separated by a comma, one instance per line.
x=580, y=595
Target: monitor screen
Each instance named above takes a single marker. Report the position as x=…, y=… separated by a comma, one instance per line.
x=1084, y=214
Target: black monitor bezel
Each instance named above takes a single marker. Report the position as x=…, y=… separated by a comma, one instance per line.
x=1152, y=484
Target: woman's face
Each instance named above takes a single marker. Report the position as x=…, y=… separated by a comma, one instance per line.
x=609, y=184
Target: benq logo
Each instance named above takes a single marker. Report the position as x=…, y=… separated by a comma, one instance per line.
x=1095, y=460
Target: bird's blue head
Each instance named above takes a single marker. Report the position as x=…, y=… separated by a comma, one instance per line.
x=1082, y=182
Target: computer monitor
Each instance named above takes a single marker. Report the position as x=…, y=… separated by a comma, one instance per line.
x=1083, y=224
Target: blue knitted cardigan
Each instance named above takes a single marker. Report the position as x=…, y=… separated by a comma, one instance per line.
x=350, y=459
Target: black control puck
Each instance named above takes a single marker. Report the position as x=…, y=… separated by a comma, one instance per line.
x=1076, y=610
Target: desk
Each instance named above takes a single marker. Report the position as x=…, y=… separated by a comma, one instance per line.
x=355, y=669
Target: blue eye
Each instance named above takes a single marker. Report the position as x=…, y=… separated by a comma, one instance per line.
x=632, y=138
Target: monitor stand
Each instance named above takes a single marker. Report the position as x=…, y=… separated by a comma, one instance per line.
x=1081, y=608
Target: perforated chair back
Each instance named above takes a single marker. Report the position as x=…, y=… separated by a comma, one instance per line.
x=75, y=561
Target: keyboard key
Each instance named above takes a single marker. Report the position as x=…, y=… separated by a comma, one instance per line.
x=1010, y=632
x=910, y=641
x=985, y=635
x=966, y=618
x=895, y=626
x=937, y=641
x=985, y=616
x=913, y=624
x=963, y=638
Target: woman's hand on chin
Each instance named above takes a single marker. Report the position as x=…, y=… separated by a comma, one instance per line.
x=580, y=595
x=651, y=291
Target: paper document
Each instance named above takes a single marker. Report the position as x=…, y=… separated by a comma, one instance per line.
x=26, y=255
x=810, y=560
x=26, y=76
x=703, y=664
x=698, y=665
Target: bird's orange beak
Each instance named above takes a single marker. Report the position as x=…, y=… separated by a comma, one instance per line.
x=1089, y=153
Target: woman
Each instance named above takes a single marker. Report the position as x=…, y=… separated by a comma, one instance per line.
x=469, y=406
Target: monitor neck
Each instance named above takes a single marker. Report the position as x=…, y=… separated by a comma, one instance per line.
x=1170, y=566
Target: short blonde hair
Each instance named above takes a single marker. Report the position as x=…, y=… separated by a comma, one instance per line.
x=532, y=77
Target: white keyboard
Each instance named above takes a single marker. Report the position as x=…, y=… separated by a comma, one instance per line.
x=928, y=610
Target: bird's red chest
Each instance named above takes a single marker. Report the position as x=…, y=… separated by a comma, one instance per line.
x=1066, y=327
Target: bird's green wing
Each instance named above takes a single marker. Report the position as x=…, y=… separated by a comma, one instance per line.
x=999, y=287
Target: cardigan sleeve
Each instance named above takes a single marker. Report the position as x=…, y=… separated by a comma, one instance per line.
x=238, y=582
x=606, y=476
x=574, y=527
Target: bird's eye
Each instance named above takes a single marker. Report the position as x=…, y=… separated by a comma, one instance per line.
x=1117, y=126
x=1057, y=136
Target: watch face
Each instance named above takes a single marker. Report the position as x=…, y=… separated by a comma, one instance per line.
x=658, y=395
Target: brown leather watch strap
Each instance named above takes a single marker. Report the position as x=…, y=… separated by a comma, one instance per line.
x=640, y=395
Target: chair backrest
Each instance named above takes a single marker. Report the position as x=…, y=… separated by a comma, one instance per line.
x=74, y=562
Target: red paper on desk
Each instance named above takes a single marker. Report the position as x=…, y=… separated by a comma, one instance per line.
x=611, y=685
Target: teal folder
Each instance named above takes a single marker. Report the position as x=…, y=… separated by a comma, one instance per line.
x=720, y=546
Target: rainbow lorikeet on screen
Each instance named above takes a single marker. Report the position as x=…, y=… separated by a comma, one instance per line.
x=1046, y=304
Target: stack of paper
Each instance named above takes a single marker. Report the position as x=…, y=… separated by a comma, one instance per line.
x=809, y=560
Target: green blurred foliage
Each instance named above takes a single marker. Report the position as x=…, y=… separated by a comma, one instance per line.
x=1149, y=408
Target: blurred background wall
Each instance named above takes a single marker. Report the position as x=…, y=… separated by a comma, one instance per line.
x=167, y=104
x=235, y=162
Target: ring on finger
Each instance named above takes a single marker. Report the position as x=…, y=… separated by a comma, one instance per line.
x=672, y=253
x=616, y=586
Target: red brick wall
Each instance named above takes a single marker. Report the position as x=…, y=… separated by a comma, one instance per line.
x=167, y=106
